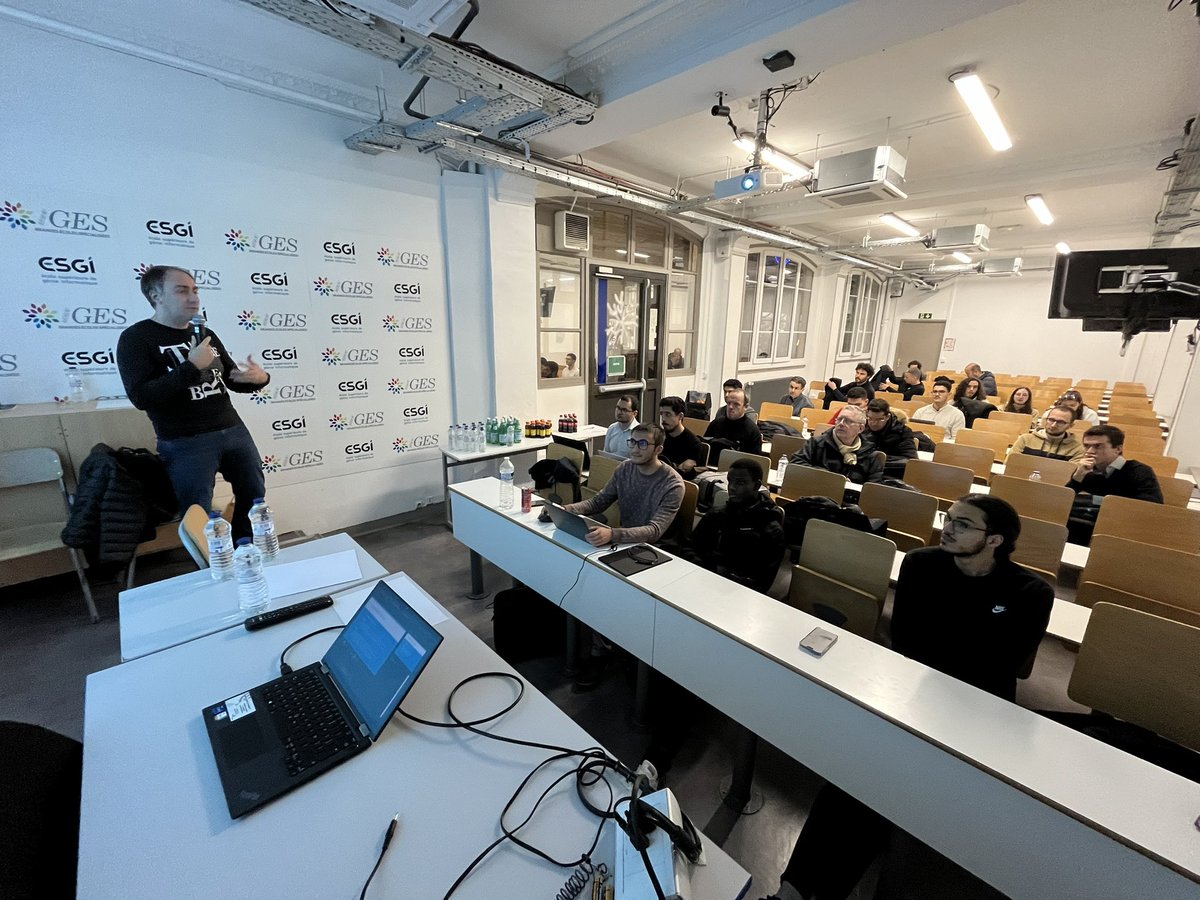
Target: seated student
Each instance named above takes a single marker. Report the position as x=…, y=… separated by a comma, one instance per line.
x=1073, y=400
x=963, y=608
x=888, y=431
x=856, y=395
x=744, y=539
x=616, y=439
x=841, y=449
x=1105, y=472
x=1054, y=439
x=986, y=378
x=681, y=448
x=1021, y=401
x=735, y=428
x=730, y=385
x=940, y=412
x=969, y=400
x=909, y=384
x=797, y=395
x=862, y=378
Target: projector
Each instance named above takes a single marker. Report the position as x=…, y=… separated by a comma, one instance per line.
x=747, y=184
x=961, y=237
x=862, y=176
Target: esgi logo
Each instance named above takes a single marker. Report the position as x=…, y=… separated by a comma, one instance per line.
x=169, y=233
x=275, y=283
x=243, y=241
x=344, y=422
x=346, y=323
x=75, y=222
x=402, y=259
x=344, y=288
x=276, y=321
x=67, y=270
x=416, y=413
x=297, y=426
x=409, y=356
x=297, y=459
x=8, y=365
x=406, y=292
x=403, y=387
x=92, y=362
x=285, y=393
x=360, y=451
x=339, y=252
x=280, y=358
x=75, y=318
x=353, y=356
x=352, y=388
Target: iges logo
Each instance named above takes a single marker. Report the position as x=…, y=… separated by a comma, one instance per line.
x=297, y=424
x=422, y=384
x=276, y=279
x=346, y=319
x=276, y=354
x=63, y=264
x=334, y=248
x=412, y=352
x=95, y=315
x=416, y=323
x=89, y=358
x=362, y=354
x=296, y=391
x=78, y=221
x=164, y=228
x=413, y=289
x=424, y=440
x=363, y=447
x=352, y=386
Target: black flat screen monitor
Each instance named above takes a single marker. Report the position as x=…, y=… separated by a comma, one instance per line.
x=1118, y=285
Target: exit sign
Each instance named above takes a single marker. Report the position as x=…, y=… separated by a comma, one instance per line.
x=924, y=315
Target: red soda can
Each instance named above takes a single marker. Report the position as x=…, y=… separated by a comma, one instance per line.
x=526, y=499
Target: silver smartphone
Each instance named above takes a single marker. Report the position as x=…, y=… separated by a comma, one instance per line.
x=818, y=641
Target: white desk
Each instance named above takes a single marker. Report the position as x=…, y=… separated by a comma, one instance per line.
x=165, y=613
x=1031, y=807
x=154, y=822
x=453, y=458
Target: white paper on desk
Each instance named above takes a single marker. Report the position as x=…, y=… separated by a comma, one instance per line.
x=309, y=574
x=116, y=403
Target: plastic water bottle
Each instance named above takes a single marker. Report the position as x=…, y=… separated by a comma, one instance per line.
x=782, y=469
x=262, y=524
x=506, y=483
x=804, y=432
x=1035, y=475
x=75, y=386
x=219, y=534
x=253, y=596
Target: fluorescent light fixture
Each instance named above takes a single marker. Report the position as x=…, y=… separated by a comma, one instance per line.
x=961, y=257
x=775, y=158
x=975, y=94
x=1062, y=247
x=745, y=141
x=1037, y=203
x=901, y=225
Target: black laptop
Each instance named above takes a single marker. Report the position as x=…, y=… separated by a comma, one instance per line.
x=281, y=734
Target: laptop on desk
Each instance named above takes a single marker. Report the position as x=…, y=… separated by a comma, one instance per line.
x=570, y=522
x=279, y=735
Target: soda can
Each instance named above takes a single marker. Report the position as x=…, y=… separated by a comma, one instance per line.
x=526, y=499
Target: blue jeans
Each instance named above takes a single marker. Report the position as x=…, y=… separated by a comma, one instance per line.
x=193, y=463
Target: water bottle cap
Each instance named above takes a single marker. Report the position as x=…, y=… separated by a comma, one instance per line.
x=241, y=541
x=260, y=499
x=213, y=514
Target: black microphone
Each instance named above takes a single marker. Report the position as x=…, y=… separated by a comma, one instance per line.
x=198, y=329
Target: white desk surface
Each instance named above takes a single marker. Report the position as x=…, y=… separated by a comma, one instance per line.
x=494, y=451
x=154, y=822
x=586, y=432
x=165, y=613
x=1018, y=795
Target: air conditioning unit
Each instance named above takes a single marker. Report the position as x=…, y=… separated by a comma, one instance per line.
x=961, y=237
x=1007, y=266
x=422, y=16
x=572, y=231
x=863, y=176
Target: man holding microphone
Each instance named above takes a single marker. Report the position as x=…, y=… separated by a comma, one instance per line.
x=180, y=374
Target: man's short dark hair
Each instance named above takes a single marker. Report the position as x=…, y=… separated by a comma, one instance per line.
x=751, y=467
x=865, y=367
x=1115, y=435
x=946, y=380
x=732, y=384
x=657, y=436
x=1000, y=518
x=879, y=405
x=153, y=277
x=856, y=393
x=675, y=404
x=915, y=363
x=799, y=379
x=631, y=400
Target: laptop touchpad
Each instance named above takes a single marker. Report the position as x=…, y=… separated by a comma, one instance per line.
x=243, y=740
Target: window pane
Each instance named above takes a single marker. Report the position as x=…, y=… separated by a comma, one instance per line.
x=619, y=344
x=766, y=315
x=680, y=306
x=553, y=352
x=683, y=252
x=763, y=347
x=750, y=293
x=559, y=301
x=610, y=235
x=649, y=242
x=745, y=340
x=680, y=356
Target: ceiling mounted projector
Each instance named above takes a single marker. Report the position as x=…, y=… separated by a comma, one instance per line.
x=747, y=184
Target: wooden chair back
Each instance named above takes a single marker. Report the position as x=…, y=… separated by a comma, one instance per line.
x=1164, y=574
x=1040, y=547
x=1129, y=387
x=191, y=534
x=695, y=426
x=685, y=520
x=1097, y=384
x=842, y=576
x=1053, y=471
x=977, y=459
x=1150, y=523
x=1163, y=466
x=1035, y=499
x=947, y=483
x=1148, y=428
x=808, y=481
x=775, y=412
x=834, y=601
x=996, y=444
x=1136, y=447
x=562, y=451
x=725, y=460
x=1090, y=593
x=1006, y=427
x=1176, y=492
x=835, y=407
x=935, y=433
x=1025, y=420
x=1142, y=669
x=816, y=429
x=784, y=445
x=909, y=514
x=601, y=471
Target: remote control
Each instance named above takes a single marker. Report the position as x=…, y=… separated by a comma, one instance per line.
x=275, y=616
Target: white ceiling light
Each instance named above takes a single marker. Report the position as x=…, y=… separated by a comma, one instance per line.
x=961, y=257
x=1037, y=203
x=975, y=94
x=789, y=165
x=901, y=225
x=1062, y=247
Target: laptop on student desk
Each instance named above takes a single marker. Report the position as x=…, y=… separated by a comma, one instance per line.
x=286, y=732
x=570, y=522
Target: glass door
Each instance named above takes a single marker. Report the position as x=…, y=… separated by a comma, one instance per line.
x=625, y=307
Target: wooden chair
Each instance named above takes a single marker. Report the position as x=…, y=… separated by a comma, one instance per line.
x=695, y=426
x=842, y=576
x=947, y=483
x=1035, y=499
x=1176, y=492
x=1023, y=419
x=1150, y=523
x=685, y=520
x=1089, y=593
x=1098, y=384
x=996, y=444
x=909, y=514
x=191, y=534
x=1163, y=466
x=784, y=445
x=1163, y=581
x=816, y=429
x=602, y=470
x=562, y=451
x=834, y=408
x=1138, y=426
x=728, y=456
x=1011, y=430
x=611, y=516
x=977, y=459
x=1141, y=668
x=809, y=481
x=1053, y=471
x=1137, y=447
x=1040, y=547
x=775, y=412
x=1129, y=387
x=935, y=433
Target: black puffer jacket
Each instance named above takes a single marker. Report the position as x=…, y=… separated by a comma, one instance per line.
x=895, y=439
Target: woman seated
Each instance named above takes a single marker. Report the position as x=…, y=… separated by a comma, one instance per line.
x=1021, y=401
x=971, y=401
x=1074, y=400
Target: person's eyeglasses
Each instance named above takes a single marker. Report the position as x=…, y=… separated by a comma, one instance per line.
x=1058, y=421
x=640, y=443
x=842, y=421
x=961, y=525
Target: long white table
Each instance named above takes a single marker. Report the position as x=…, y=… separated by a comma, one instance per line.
x=453, y=458
x=165, y=613
x=154, y=822
x=1035, y=809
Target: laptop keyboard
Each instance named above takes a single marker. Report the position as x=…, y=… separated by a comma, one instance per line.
x=312, y=726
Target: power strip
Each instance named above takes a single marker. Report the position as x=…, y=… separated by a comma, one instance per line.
x=673, y=870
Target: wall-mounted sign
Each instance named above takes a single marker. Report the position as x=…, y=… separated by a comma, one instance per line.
x=616, y=365
x=948, y=345
x=924, y=315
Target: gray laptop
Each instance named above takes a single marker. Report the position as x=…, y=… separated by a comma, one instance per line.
x=569, y=522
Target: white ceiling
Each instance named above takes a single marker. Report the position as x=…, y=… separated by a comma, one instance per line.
x=1094, y=93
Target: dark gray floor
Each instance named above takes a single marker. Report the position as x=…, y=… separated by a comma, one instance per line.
x=48, y=647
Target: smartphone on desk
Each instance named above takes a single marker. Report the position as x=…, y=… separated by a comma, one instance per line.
x=818, y=641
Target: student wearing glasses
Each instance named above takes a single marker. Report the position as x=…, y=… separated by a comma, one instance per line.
x=842, y=450
x=887, y=431
x=963, y=608
x=1054, y=439
x=616, y=439
x=940, y=412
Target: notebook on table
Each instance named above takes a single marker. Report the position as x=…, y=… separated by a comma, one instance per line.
x=286, y=732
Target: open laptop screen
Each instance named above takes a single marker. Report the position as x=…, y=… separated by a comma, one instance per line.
x=379, y=655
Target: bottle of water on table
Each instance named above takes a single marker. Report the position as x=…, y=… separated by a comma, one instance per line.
x=1035, y=475
x=219, y=534
x=782, y=467
x=75, y=392
x=506, y=483
x=253, y=596
x=262, y=524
